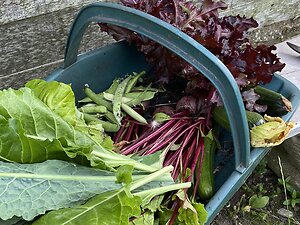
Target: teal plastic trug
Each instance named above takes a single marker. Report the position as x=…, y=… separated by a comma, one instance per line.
x=99, y=67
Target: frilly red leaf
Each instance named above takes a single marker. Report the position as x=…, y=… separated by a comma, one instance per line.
x=225, y=37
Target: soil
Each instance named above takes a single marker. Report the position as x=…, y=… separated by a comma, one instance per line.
x=263, y=182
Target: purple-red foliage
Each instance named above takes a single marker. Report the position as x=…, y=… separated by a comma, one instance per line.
x=225, y=37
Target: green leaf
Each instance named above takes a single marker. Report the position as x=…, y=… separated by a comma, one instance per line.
x=113, y=207
x=164, y=216
x=190, y=213
x=161, y=117
x=258, y=202
x=28, y=190
x=12, y=221
x=30, y=132
x=156, y=159
x=109, y=208
x=202, y=213
x=294, y=194
x=287, y=202
x=124, y=174
x=146, y=218
x=58, y=96
x=155, y=204
x=195, y=215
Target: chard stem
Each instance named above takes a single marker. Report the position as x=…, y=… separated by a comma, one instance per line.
x=148, y=178
x=162, y=190
x=113, y=159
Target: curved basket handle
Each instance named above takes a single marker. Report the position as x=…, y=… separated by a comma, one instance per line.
x=182, y=45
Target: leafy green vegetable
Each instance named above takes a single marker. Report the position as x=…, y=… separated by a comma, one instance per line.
x=117, y=204
x=190, y=213
x=31, y=132
x=124, y=174
x=109, y=208
x=12, y=221
x=58, y=96
x=32, y=189
x=146, y=218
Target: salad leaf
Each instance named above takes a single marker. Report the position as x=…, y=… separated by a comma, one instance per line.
x=190, y=213
x=146, y=218
x=12, y=221
x=30, y=132
x=58, y=96
x=124, y=174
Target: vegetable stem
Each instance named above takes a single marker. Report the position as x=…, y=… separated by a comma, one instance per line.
x=162, y=190
x=150, y=177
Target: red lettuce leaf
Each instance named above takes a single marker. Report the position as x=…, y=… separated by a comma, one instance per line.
x=225, y=37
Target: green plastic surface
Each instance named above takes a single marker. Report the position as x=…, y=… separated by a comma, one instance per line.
x=99, y=67
x=181, y=44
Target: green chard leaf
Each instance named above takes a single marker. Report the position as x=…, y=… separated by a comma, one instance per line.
x=58, y=96
x=30, y=132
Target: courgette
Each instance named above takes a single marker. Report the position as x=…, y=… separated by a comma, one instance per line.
x=277, y=104
x=220, y=116
x=206, y=185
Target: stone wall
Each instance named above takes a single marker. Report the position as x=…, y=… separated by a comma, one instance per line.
x=33, y=32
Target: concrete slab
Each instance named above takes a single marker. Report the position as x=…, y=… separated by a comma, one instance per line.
x=292, y=69
x=288, y=151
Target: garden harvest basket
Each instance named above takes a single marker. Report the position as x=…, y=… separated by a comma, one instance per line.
x=98, y=68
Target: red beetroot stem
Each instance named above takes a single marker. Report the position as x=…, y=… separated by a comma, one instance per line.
x=140, y=141
x=158, y=144
x=165, y=139
x=128, y=133
x=191, y=152
x=186, y=139
x=183, y=132
x=120, y=132
x=176, y=207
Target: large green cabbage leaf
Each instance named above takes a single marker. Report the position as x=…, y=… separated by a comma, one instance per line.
x=113, y=207
x=29, y=190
